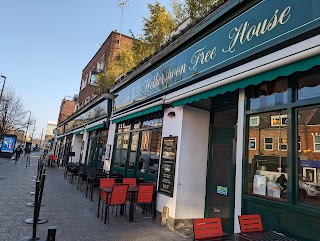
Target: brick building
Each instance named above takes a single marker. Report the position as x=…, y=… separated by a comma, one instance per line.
x=98, y=64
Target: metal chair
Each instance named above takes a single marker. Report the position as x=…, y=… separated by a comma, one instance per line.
x=104, y=183
x=205, y=228
x=118, y=197
x=250, y=223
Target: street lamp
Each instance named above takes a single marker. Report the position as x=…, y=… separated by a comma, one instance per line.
x=4, y=82
x=27, y=126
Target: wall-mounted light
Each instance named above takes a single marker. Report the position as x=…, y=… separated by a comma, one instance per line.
x=171, y=114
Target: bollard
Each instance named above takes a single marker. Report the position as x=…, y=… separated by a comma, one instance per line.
x=52, y=233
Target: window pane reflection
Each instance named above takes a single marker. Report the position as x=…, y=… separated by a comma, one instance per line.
x=124, y=150
x=267, y=155
x=309, y=87
x=267, y=94
x=309, y=155
x=133, y=150
x=155, y=151
x=144, y=151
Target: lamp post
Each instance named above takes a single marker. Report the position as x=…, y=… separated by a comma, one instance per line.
x=25, y=138
x=34, y=127
x=4, y=82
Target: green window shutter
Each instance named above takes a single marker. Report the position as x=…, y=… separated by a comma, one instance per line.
x=139, y=113
x=95, y=127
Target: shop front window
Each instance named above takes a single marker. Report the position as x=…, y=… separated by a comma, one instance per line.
x=144, y=151
x=155, y=151
x=267, y=156
x=133, y=150
x=309, y=156
x=124, y=151
x=267, y=94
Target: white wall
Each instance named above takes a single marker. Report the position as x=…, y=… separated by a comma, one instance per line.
x=239, y=154
x=76, y=147
x=85, y=138
x=111, y=135
x=191, y=125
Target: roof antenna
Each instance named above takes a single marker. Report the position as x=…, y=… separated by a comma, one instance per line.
x=122, y=4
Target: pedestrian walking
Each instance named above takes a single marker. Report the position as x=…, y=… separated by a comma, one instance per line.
x=27, y=153
x=18, y=152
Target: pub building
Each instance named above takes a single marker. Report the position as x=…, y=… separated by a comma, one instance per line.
x=226, y=119
x=83, y=135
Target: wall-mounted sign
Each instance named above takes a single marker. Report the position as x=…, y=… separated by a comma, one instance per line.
x=266, y=24
x=222, y=190
x=167, y=167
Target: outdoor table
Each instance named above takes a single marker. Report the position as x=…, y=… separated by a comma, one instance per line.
x=257, y=236
x=266, y=236
x=132, y=190
x=233, y=237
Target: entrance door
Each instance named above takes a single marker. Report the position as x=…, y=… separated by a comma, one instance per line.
x=221, y=168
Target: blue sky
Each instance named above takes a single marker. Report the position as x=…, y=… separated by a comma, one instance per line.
x=44, y=46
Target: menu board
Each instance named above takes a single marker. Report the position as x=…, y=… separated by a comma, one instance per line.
x=167, y=168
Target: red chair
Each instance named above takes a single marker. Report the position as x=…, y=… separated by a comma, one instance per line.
x=205, y=228
x=104, y=183
x=132, y=182
x=118, y=197
x=145, y=195
x=250, y=223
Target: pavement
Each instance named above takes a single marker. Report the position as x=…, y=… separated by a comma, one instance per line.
x=67, y=208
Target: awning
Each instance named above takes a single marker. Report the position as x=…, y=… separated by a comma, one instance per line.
x=77, y=132
x=60, y=137
x=302, y=65
x=95, y=127
x=139, y=113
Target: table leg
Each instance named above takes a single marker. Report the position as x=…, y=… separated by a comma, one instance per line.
x=99, y=203
x=131, y=207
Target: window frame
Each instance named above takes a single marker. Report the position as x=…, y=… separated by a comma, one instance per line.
x=252, y=118
x=281, y=143
x=264, y=144
x=255, y=144
x=315, y=143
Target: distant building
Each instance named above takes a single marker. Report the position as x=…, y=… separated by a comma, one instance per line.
x=51, y=125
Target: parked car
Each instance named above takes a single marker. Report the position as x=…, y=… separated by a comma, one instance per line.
x=308, y=188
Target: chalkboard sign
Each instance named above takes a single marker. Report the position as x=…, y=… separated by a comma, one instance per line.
x=71, y=153
x=168, y=164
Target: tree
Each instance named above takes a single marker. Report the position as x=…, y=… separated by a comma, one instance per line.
x=197, y=9
x=179, y=11
x=13, y=116
x=157, y=29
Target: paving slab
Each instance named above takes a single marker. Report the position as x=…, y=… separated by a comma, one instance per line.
x=67, y=208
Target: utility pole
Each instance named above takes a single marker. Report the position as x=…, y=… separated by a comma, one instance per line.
x=122, y=4
x=4, y=82
x=34, y=127
x=41, y=139
x=25, y=138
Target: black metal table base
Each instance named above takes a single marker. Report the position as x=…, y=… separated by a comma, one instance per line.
x=40, y=221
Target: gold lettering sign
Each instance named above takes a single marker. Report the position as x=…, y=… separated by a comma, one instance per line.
x=245, y=32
